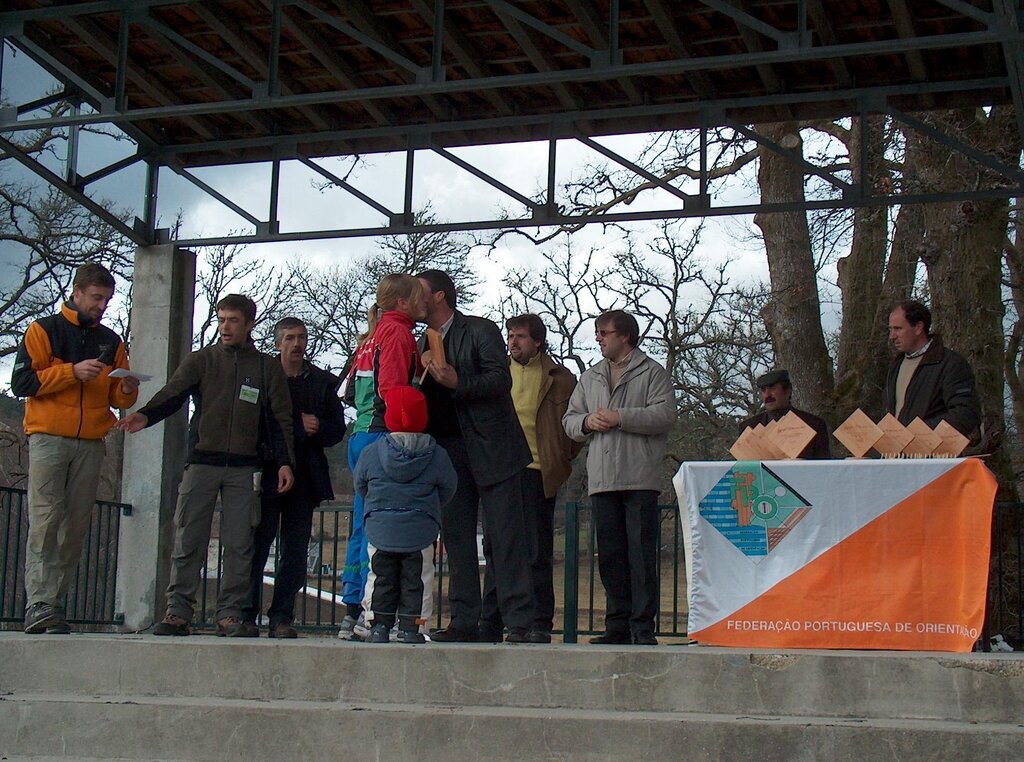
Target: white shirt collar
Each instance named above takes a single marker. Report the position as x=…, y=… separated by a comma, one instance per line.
x=447, y=324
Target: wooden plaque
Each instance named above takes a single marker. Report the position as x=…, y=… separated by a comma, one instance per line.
x=792, y=434
x=925, y=440
x=953, y=442
x=435, y=342
x=894, y=437
x=858, y=433
x=769, y=450
x=745, y=447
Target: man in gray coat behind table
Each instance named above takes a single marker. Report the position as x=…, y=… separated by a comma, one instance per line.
x=625, y=406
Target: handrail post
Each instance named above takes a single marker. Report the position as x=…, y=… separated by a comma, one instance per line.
x=572, y=573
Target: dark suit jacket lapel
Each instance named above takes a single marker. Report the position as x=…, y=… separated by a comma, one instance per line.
x=455, y=338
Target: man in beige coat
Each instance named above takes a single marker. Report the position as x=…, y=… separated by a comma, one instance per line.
x=624, y=405
x=540, y=392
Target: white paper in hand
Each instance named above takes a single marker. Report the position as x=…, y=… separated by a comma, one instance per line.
x=123, y=373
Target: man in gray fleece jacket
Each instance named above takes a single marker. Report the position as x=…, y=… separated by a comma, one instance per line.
x=241, y=402
x=625, y=407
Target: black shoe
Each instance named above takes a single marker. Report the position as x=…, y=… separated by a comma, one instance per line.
x=414, y=637
x=41, y=616
x=645, y=639
x=611, y=639
x=453, y=634
x=488, y=635
x=379, y=633
x=538, y=636
x=59, y=628
x=517, y=635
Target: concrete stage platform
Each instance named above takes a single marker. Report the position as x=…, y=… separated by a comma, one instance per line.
x=140, y=697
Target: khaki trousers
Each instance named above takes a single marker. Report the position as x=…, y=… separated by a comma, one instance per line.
x=63, y=475
x=193, y=517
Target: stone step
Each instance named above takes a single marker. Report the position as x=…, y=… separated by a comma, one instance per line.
x=140, y=727
x=985, y=688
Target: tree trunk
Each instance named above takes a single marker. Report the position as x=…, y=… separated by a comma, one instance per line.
x=963, y=253
x=862, y=337
x=793, y=312
x=962, y=249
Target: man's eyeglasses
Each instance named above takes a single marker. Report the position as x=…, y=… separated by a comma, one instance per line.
x=606, y=332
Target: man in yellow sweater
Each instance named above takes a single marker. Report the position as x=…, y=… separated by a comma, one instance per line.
x=63, y=370
x=540, y=391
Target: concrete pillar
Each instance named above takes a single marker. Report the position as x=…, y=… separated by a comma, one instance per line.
x=161, y=336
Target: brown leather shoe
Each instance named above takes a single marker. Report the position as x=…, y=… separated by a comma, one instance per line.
x=282, y=631
x=233, y=627
x=172, y=624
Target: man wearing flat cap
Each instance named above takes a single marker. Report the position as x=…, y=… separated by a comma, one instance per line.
x=776, y=391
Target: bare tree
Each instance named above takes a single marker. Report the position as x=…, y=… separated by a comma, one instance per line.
x=567, y=292
x=691, y=317
x=228, y=268
x=47, y=236
x=333, y=301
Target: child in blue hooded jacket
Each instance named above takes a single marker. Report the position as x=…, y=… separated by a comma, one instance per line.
x=404, y=478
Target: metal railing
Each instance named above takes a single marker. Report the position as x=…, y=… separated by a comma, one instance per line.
x=1005, y=612
x=90, y=598
x=579, y=595
x=319, y=606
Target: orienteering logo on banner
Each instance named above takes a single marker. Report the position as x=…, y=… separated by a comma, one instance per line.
x=753, y=508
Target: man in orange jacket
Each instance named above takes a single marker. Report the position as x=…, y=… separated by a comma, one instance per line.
x=62, y=368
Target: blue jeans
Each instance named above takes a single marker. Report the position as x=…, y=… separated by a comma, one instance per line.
x=357, y=559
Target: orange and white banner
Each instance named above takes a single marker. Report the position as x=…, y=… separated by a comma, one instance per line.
x=887, y=554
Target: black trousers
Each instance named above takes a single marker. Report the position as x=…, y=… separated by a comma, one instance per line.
x=293, y=514
x=539, y=515
x=399, y=585
x=506, y=546
x=627, y=547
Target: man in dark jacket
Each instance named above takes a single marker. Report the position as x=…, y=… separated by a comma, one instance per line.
x=927, y=380
x=319, y=422
x=235, y=389
x=472, y=417
x=776, y=392
x=404, y=478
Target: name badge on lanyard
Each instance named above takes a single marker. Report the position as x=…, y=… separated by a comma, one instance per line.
x=249, y=394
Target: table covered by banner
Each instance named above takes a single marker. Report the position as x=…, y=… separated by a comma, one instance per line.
x=889, y=554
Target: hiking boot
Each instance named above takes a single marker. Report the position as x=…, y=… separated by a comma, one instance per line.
x=172, y=624
x=411, y=636
x=282, y=631
x=352, y=628
x=233, y=627
x=59, y=628
x=380, y=633
x=40, y=616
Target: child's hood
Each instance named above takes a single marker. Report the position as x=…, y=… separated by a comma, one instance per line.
x=405, y=456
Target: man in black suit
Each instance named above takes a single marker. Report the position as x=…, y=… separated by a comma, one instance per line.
x=471, y=415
